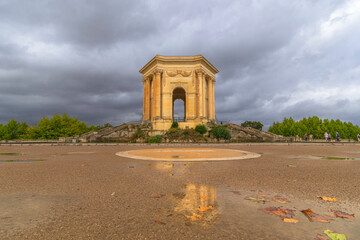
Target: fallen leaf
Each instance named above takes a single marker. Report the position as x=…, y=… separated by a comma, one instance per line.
x=278, y=199
x=255, y=199
x=335, y=236
x=314, y=216
x=320, y=237
x=84, y=165
x=279, y=211
x=290, y=165
x=203, y=198
x=236, y=192
x=341, y=214
x=169, y=215
x=261, y=193
x=160, y=222
x=203, y=209
x=195, y=217
x=188, y=224
x=131, y=166
x=113, y=194
x=327, y=198
x=290, y=220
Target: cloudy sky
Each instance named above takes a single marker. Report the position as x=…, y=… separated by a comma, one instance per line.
x=276, y=58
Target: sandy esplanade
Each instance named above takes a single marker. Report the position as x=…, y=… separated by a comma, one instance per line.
x=88, y=192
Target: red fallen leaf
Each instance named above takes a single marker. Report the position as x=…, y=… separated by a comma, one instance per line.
x=314, y=216
x=261, y=193
x=320, y=237
x=188, y=224
x=279, y=211
x=341, y=214
x=277, y=199
x=169, y=215
x=160, y=222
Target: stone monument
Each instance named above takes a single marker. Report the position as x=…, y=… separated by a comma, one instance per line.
x=168, y=78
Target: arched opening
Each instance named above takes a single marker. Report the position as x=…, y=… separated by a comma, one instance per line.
x=179, y=105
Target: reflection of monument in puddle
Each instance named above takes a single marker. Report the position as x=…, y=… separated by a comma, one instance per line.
x=176, y=169
x=196, y=196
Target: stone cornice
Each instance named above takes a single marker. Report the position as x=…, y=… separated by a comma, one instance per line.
x=179, y=60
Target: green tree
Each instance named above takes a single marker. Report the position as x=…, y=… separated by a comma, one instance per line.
x=253, y=124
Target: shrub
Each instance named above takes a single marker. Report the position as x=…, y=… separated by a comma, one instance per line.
x=253, y=124
x=201, y=128
x=221, y=132
x=175, y=125
x=174, y=132
x=138, y=133
x=154, y=139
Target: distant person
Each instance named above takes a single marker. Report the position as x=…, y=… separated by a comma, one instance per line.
x=329, y=137
x=358, y=136
x=337, y=137
x=326, y=135
x=311, y=136
x=297, y=139
x=305, y=137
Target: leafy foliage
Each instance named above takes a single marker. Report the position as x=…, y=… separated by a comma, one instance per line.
x=253, y=124
x=221, y=132
x=154, y=139
x=53, y=128
x=201, y=128
x=315, y=126
x=175, y=125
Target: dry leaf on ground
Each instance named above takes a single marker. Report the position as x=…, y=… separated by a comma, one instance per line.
x=195, y=217
x=314, y=216
x=327, y=198
x=262, y=193
x=203, y=209
x=290, y=220
x=335, y=236
x=320, y=237
x=203, y=198
x=277, y=199
x=341, y=214
x=255, y=199
x=236, y=192
x=160, y=222
x=279, y=211
x=188, y=224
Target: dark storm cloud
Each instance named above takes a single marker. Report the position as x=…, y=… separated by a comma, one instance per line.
x=276, y=59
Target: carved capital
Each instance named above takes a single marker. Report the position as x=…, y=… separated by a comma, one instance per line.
x=145, y=78
x=157, y=71
x=200, y=72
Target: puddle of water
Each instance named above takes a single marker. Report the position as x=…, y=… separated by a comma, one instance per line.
x=235, y=213
x=324, y=157
x=173, y=169
x=26, y=160
x=240, y=215
x=194, y=201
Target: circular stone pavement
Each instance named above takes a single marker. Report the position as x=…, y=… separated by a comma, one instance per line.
x=188, y=154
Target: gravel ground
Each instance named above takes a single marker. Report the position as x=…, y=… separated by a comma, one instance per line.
x=87, y=192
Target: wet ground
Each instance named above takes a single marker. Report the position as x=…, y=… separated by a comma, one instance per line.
x=87, y=192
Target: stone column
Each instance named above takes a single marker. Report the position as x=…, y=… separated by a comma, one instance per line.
x=157, y=94
x=152, y=98
x=204, y=96
x=144, y=100
x=213, y=98
x=199, y=93
x=209, y=93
